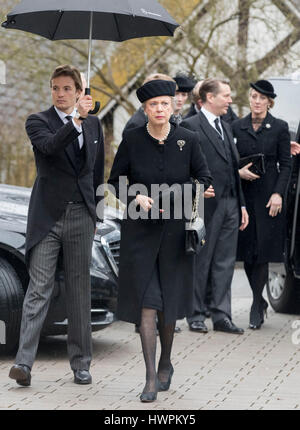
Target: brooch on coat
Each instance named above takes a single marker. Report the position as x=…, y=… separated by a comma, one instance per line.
x=181, y=144
x=268, y=125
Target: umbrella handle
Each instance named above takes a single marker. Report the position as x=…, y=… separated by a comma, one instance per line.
x=97, y=104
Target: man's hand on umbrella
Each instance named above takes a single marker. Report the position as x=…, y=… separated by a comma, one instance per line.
x=85, y=104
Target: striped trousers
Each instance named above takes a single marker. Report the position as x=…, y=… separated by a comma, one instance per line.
x=73, y=233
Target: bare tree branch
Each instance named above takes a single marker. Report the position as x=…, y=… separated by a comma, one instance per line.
x=280, y=49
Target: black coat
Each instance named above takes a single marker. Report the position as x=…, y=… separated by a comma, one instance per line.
x=144, y=161
x=57, y=173
x=217, y=161
x=264, y=235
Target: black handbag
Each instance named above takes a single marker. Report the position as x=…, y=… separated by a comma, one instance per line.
x=195, y=232
x=258, y=163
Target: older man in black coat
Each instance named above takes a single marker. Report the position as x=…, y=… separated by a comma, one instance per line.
x=68, y=148
x=224, y=214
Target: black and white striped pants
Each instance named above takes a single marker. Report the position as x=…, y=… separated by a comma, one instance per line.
x=74, y=233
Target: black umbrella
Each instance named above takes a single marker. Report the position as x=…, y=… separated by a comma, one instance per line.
x=115, y=20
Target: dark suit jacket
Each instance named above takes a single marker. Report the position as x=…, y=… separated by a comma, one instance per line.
x=216, y=159
x=57, y=174
x=138, y=119
x=229, y=117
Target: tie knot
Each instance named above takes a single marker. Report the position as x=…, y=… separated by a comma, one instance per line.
x=69, y=117
x=217, y=121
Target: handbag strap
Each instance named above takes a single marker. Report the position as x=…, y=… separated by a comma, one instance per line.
x=195, y=213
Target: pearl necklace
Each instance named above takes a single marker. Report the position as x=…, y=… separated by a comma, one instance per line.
x=164, y=137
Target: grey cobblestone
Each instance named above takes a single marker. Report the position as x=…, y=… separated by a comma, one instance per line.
x=216, y=371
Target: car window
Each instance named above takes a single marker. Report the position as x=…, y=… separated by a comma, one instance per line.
x=287, y=102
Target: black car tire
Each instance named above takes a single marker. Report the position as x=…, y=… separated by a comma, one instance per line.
x=288, y=301
x=11, y=301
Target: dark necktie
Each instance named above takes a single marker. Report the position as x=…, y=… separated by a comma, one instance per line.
x=76, y=145
x=218, y=128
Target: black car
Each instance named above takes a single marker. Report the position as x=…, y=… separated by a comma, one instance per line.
x=284, y=279
x=14, y=277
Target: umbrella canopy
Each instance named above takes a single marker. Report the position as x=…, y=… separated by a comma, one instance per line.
x=115, y=20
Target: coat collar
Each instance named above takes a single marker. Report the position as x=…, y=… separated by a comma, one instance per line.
x=246, y=124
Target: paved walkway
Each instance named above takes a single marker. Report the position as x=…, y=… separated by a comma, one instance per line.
x=258, y=370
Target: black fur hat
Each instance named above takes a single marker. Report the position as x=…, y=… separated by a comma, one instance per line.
x=185, y=83
x=264, y=87
x=156, y=88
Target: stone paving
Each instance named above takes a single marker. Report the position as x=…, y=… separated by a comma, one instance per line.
x=214, y=371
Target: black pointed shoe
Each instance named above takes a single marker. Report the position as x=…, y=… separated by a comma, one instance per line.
x=227, y=326
x=149, y=396
x=164, y=386
x=21, y=373
x=82, y=377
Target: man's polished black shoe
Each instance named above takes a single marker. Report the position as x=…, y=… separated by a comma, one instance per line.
x=82, y=377
x=227, y=326
x=198, y=326
x=21, y=374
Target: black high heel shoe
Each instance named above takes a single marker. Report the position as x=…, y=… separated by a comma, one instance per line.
x=149, y=396
x=164, y=386
x=256, y=321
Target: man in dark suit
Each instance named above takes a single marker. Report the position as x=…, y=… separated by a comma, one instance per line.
x=224, y=214
x=196, y=105
x=69, y=155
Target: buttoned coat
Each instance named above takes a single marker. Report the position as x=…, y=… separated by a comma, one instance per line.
x=57, y=174
x=216, y=158
x=263, y=239
x=144, y=161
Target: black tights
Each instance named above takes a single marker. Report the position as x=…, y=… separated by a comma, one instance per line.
x=148, y=338
x=258, y=277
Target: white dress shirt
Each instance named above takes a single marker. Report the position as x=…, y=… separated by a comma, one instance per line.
x=63, y=116
x=211, y=119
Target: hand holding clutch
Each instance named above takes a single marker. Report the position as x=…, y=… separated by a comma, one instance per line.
x=257, y=163
x=252, y=167
x=246, y=174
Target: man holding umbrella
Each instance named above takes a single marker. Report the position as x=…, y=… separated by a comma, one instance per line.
x=69, y=155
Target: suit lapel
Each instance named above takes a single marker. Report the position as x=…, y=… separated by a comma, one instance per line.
x=55, y=123
x=234, y=151
x=211, y=134
x=86, y=130
x=246, y=124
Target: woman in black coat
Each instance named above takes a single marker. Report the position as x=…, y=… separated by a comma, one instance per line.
x=155, y=276
x=263, y=240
